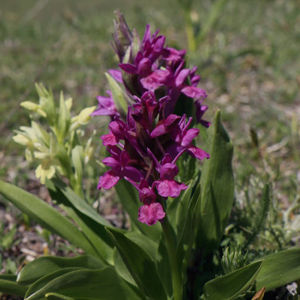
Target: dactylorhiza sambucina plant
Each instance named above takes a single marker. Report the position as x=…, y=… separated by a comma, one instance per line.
x=150, y=131
x=178, y=212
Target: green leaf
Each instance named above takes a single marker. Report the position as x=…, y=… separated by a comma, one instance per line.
x=102, y=284
x=121, y=268
x=187, y=225
x=233, y=284
x=12, y=288
x=45, y=215
x=43, y=281
x=78, y=203
x=92, y=224
x=130, y=201
x=10, y=277
x=48, y=264
x=217, y=187
x=140, y=265
x=186, y=209
x=56, y=296
x=279, y=269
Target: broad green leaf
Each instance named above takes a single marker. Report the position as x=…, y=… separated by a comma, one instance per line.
x=217, y=187
x=140, y=265
x=55, y=296
x=121, y=268
x=233, y=284
x=89, y=233
x=143, y=241
x=49, y=264
x=79, y=203
x=187, y=227
x=186, y=209
x=279, y=269
x=129, y=199
x=45, y=215
x=10, y=277
x=102, y=284
x=43, y=281
x=91, y=223
x=12, y=288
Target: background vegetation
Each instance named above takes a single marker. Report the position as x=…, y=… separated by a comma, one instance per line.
x=249, y=62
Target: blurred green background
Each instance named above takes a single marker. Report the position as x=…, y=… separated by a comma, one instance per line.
x=248, y=59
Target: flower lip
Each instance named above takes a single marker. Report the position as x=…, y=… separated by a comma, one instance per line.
x=169, y=188
x=150, y=214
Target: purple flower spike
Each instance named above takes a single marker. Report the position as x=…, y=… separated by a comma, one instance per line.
x=150, y=214
x=144, y=146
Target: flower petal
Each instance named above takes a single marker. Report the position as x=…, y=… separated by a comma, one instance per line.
x=194, y=92
x=169, y=188
x=168, y=171
x=128, y=68
x=183, y=74
x=111, y=162
x=116, y=74
x=107, y=180
x=198, y=153
x=155, y=79
x=132, y=173
x=150, y=214
x=109, y=139
x=189, y=136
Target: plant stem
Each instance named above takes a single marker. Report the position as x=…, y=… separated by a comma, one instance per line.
x=171, y=248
